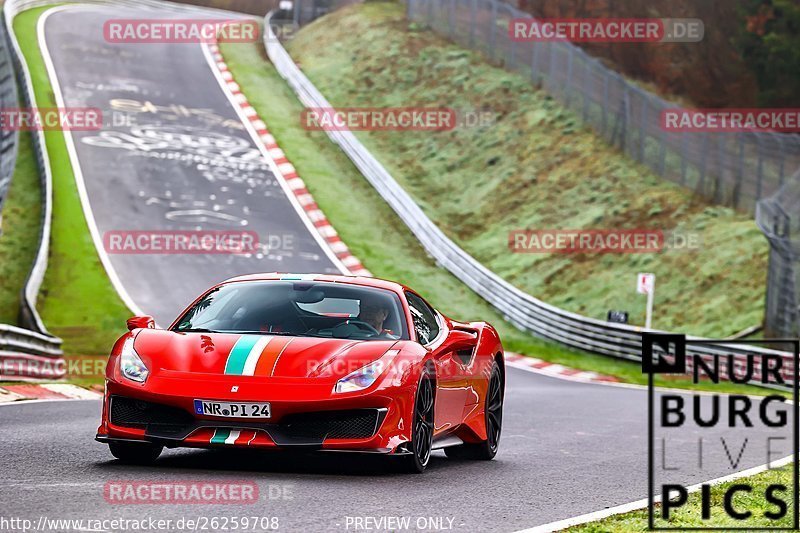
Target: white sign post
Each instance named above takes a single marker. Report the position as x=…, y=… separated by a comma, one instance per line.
x=646, y=284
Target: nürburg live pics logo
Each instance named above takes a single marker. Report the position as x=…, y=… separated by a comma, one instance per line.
x=698, y=438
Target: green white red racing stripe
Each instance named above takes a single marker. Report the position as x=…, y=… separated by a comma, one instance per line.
x=232, y=436
x=255, y=355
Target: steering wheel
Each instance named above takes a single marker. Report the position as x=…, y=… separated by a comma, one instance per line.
x=360, y=324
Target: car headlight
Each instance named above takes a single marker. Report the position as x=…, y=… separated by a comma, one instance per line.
x=366, y=375
x=131, y=366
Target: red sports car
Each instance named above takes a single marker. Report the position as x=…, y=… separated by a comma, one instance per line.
x=316, y=362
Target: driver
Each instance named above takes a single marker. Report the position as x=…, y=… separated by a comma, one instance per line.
x=374, y=312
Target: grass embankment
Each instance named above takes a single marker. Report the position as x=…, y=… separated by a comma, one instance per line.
x=21, y=224
x=535, y=167
x=689, y=516
x=373, y=231
x=77, y=301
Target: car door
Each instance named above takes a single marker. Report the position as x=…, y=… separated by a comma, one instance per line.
x=451, y=381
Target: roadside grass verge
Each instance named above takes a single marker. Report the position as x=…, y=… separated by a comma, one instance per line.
x=534, y=167
x=377, y=236
x=77, y=301
x=689, y=516
x=19, y=240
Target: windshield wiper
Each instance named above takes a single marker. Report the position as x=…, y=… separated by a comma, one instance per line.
x=281, y=333
x=196, y=330
x=278, y=333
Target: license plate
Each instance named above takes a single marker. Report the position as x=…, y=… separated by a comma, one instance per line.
x=231, y=409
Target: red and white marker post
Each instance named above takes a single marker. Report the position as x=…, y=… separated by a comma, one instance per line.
x=646, y=284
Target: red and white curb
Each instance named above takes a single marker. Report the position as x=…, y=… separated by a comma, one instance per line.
x=46, y=391
x=287, y=171
x=555, y=370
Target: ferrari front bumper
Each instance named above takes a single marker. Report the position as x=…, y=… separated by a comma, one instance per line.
x=305, y=415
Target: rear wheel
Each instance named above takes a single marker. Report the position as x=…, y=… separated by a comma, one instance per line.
x=422, y=429
x=487, y=449
x=135, y=453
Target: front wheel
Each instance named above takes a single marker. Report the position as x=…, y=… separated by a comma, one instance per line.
x=487, y=449
x=135, y=453
x=422, y=429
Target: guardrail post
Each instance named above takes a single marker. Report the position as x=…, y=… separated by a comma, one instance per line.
x=605, y=106
x=585, y=92
x=737, y=188
x=568, y=82
x=493, y=29
x=473, y=14
x=662, y=152
x=551, y=65
x=684, y=148
x=760, y=177
x=643, y=127
x=701, y=184
x=451, y=13
x=781, y=153
x=296, y=14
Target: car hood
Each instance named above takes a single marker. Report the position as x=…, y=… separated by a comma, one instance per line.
x=256, y=355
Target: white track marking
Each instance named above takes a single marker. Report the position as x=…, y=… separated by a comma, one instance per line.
x=76, y=168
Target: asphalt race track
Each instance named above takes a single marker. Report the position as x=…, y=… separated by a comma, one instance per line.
x=567, y=449
x=172, y=155
x=184, y=161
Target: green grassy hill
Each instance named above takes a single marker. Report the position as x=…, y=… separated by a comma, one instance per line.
x=534, y=167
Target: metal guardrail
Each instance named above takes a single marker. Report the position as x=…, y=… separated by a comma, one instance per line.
x=521, y=309
x=19, y=340
x=9, y=138
x=35, y=339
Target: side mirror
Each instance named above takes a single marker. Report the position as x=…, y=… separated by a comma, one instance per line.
x=145, y=321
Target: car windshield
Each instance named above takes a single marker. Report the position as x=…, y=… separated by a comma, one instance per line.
x=298, y=308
